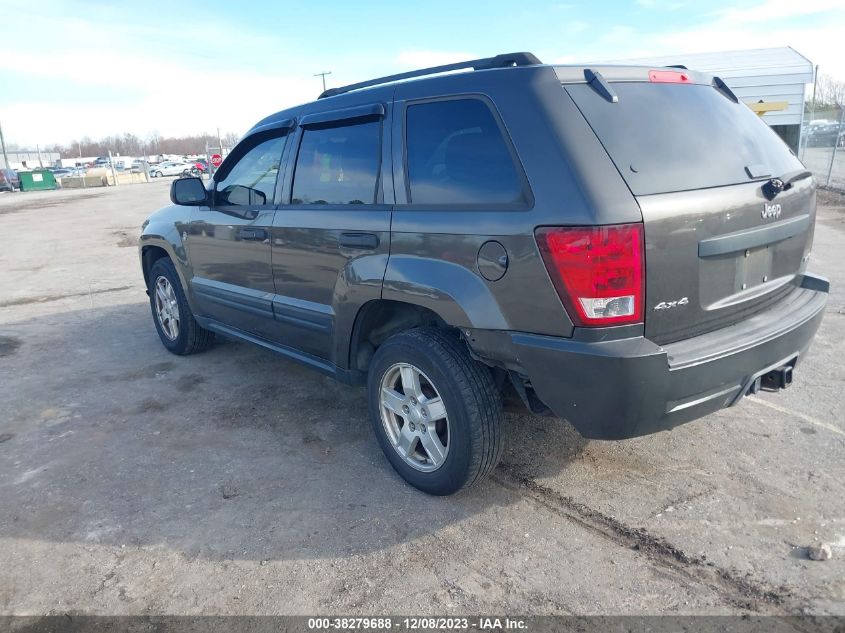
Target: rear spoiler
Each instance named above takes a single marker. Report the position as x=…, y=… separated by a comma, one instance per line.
x=722, y=87
x=599, y=78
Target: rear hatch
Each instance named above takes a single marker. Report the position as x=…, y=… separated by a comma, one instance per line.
x=721, y=242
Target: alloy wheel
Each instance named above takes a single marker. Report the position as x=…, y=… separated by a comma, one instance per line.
x=167, y=308
x=414, y=417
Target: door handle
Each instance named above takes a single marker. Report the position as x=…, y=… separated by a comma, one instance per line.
x=359, y=240
x=253, y=235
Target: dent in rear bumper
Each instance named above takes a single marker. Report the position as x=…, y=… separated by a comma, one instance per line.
x=626, y=388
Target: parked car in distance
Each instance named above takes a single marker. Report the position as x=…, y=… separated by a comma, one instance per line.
x=169, y=168
x=826, y=135
x=9, y=180
x=516, y=230
x=61, y=172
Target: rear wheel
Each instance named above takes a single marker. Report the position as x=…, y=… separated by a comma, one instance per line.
x=435, y=411
x=178, y=330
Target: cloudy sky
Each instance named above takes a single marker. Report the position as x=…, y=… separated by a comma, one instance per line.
x=70, y=69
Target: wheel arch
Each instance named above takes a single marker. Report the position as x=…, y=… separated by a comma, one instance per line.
x=155, y=247
x=150, y=254
x=379, y=319
x=456, y=293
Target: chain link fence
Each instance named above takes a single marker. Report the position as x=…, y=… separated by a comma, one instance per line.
x=823, y=147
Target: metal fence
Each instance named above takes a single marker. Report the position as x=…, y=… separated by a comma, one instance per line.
x=823, y=147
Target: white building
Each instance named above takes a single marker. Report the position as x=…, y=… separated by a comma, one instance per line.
x=23, y=159
x=776, y=76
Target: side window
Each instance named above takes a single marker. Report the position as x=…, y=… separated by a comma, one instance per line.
x=456, y=155
x=252, y=180
x=338, y=165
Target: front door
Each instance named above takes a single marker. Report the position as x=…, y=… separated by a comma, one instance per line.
x=228, y=242
x=332, y=241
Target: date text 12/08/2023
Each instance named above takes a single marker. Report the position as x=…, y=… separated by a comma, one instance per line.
x=416, y=624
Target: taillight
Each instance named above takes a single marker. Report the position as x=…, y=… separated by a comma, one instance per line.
x=668, y=77
x=597, y=271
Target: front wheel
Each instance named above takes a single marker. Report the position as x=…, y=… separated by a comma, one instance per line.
x=436, y=412
x=178, y=330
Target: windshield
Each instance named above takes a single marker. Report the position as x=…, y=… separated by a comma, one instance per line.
x=674, y=137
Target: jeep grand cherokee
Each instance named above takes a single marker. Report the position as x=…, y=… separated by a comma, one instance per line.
x=625, y=247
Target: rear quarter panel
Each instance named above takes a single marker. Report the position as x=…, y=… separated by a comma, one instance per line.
x=434, y=250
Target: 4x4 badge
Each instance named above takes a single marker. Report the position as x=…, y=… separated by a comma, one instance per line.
x=665, y=305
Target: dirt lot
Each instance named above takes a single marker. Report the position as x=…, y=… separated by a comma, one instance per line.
x=133, y=481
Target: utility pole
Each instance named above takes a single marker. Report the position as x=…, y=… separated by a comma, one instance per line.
x=113, y=172
x=3, y=144
x=805, y=126
x=323, y=77
x=836, y=141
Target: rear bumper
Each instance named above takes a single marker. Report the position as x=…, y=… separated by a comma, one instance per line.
x=616, y=389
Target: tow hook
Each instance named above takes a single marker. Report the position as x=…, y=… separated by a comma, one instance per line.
x=777, y=379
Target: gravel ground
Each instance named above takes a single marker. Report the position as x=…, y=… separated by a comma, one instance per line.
x=137, y=482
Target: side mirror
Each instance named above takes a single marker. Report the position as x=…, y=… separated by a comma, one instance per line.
x=188, y=192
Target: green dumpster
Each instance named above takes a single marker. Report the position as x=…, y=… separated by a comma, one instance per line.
x=38, y=180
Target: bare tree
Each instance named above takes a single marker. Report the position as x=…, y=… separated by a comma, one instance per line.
x=830, y=93
x=128, y=144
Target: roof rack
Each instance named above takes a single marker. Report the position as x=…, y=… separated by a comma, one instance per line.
x=499, y=61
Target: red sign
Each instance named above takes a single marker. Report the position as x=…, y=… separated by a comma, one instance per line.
x=216, y=160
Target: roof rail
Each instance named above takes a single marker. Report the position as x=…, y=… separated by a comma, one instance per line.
x=499, y=61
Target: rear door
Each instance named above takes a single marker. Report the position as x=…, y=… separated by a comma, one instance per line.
x=331, y=239
x=721, y=242
x=228, y=243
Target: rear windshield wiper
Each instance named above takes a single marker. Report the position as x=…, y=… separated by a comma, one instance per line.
x=795, y=176
x=776, y=185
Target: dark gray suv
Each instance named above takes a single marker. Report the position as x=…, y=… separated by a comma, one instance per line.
x=623, y=247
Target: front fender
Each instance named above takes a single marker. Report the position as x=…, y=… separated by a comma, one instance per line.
x=164, y=230
x=455, y=293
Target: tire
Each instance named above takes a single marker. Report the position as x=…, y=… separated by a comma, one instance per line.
x=473, y=410
x=188, y=337
x=157, y=174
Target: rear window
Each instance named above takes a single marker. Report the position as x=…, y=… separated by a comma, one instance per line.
x=671, y=137
x=457, y=155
